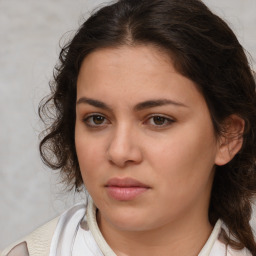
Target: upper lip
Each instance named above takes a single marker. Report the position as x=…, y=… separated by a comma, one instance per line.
x=125, y=182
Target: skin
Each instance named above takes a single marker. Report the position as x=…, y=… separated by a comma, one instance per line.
x=174, y=155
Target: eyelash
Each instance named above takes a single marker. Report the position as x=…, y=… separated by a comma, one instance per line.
x=167, y=121
x=89, y=119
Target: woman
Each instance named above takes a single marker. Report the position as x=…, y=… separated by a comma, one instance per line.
x=155, y=115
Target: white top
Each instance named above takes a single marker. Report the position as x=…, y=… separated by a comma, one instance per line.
x=89, y=240
x=76, y=233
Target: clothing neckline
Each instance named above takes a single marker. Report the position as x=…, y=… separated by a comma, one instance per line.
x=94, y=228
x=107, y=251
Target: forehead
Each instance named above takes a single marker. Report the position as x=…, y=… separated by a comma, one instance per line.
x=143, y=71
x=124, y=56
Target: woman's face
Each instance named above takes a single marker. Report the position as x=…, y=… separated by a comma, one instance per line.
x=144, y=139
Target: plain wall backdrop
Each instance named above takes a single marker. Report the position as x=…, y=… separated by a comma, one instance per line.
x=30, y=30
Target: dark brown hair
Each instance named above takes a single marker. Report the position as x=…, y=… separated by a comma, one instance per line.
x=205, y=50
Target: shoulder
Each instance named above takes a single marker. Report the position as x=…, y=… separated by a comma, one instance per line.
x=233, y=252
x=37, y=241
x=40, y=241
x=222, y=245
x=217, y=244
x=220, y=248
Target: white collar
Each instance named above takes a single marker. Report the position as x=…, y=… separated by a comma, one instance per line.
x=107, y=251
x=93, y=226
x=66, y=230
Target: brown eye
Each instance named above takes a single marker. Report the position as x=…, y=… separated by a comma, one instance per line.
x=159, y=120
x=95, y=121
x=98, y=119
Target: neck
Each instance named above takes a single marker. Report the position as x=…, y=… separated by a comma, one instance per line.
x=180, y=238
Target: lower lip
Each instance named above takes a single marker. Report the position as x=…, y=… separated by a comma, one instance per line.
x=125, y=193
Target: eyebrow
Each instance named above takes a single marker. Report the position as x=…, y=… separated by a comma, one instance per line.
x=157, y=103
x=95, y=103
x=138, y=107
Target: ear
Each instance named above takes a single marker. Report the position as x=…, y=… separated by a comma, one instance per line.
x=231, y=139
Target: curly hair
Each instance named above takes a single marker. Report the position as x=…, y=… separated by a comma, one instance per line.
x=205, y=50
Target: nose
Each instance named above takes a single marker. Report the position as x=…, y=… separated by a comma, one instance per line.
x=124, y=147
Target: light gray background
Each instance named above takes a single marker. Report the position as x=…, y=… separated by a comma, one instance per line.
x=30, y=30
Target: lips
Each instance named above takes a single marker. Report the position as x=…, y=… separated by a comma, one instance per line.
x=125, y=189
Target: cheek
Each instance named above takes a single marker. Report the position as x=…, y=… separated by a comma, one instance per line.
x=88, y=162
x=85, y=150
x=185, y=160
x=185, y=175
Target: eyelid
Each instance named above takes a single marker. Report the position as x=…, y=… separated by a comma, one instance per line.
x=169, y=119
x=91, y=115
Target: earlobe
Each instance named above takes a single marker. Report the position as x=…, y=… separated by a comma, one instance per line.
x=231, y=140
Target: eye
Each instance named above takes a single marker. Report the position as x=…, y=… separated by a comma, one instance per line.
x=95, y=120
x=160, y=121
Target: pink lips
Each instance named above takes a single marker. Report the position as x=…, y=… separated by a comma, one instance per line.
x=125, y=189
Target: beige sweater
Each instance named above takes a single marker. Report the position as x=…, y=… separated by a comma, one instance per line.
x=38, y=242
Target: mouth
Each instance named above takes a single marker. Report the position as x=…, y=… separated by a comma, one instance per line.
x=125, y=189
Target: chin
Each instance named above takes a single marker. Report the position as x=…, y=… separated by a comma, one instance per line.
x=126, y=220
x=122, y=220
